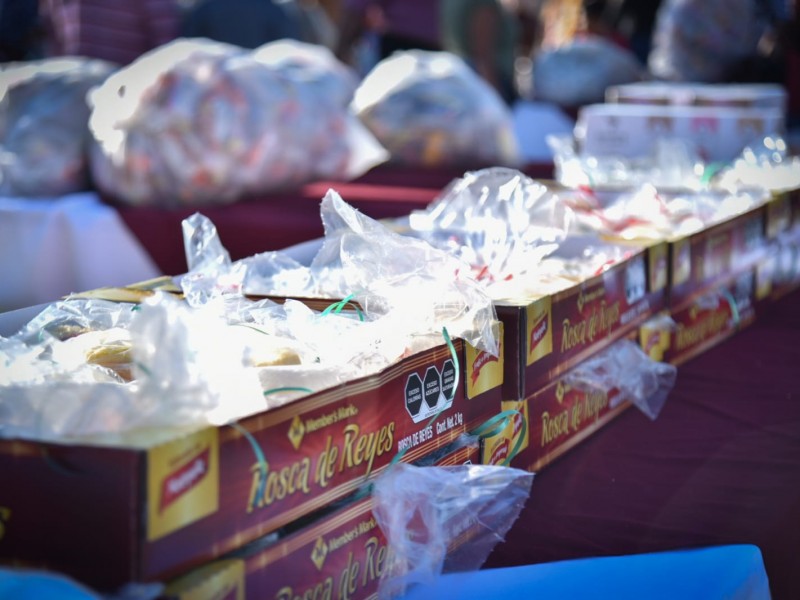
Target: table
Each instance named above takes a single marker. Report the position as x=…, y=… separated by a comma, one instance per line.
x=52, y=247
x=718, y=573
x=720, y=465
x=276, y=221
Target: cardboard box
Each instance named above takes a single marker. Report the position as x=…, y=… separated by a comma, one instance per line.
x=550, y=422
x=704, y=260
x=630, y=130
x=341, y=555
x=545, y=337
x=151, y=514
x=705, y=321
x=756, y=95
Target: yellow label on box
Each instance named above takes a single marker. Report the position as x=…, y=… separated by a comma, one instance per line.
x=654, y=340
x=484, y=371
x=182, y=482
x=520, y=425
x=681, y=261
x=512, y=438
x=779, y=215
x=658, y=267
x=223, y=580
x=539, y=329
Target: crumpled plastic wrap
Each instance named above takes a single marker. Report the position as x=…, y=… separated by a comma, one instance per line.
x=514, y=233
x=645, y=213
x=422, y=511
x=430, y=109
x=766, y=163
x=579, y=72
x=182, y=361
x=497, y=220
x=43, y=125
x=413, y=288
x=671, y=160
x=626, y=369
x=198, y=122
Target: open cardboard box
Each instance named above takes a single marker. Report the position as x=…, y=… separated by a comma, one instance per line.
x=112, y=515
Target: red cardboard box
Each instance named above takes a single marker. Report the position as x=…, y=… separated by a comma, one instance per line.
x=705, y=321
x=545, y=337
x=342, y=555
x=549, y=423
x=107, y=516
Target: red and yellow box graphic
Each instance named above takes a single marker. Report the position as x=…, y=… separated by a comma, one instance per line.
x=182, y=482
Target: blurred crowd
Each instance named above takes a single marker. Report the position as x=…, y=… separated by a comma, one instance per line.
x=523, y=48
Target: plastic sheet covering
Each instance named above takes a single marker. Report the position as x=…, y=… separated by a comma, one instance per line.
x=672, y=160
x=647, y=214
x=624, y=367
x=410, y=286
x=431, y=109
x=198, y=122
x=766, y=163
x=423, y=511
x=186, y=370
x=43, y=125
x=497, y=220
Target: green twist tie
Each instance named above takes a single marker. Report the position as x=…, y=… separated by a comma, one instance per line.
x=260, y=459
x=337, y=307
x=734, y=307
x=277, y=390
x=496, y=424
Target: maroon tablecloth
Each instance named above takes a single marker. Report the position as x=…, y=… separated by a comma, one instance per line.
x=721, y=465
x=276, y=221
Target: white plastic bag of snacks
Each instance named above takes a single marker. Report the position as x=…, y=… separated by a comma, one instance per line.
x=43, y=125
x=198, y=122
x=430, y=109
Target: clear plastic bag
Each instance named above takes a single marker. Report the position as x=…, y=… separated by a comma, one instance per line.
x=362, y=260
x=765, y=163
x=197, y=122
x=644, y=213
x=43, y=125
x=671, y=160
x=626, y=369
x=423, y=511
x=430, y=109
x=497, y=220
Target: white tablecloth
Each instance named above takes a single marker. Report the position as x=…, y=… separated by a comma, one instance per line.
x=50, y=248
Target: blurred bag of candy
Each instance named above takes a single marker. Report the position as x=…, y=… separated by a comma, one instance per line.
x=198, y=122
x=43, y=125
x=702, y=40
x=579, y=72
x=430, y=109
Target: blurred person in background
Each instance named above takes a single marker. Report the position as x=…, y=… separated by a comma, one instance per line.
x=704, y=41
x=397, y=24
x=19, y=30
x=484, y=33
x=635, y=21
x=112, y=30
x=245, y=23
